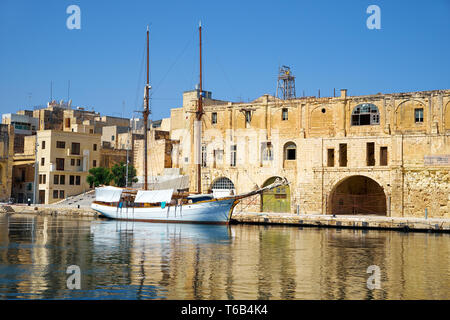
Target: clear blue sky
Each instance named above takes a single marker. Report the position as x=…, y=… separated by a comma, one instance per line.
x=326, y=43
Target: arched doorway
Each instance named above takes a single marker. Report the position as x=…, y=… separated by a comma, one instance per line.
x=277, y=199
x=223, y=187
x=358, y=195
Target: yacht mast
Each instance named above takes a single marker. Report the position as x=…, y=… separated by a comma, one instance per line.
x=146, y=113
x=199, y=115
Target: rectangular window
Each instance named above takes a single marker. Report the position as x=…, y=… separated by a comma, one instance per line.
x=62, y=179
x=44, y=178
x=203, y=155
x=218, y=157
x=78, y=162
x=72, y=162
x=95, y=147
x=56, y=179
x=383, y=156
x=61, y=194
x=330, y=158
x=40, y=178
x=71, y=180
x=342, y=154
x=94, y=163
x=77, y=180
x=42, y=161
x=291, y=154
x=55, y=194
x=60, y=144
x=214, y=117
x=418, y=115
x=112, y=138
x=43, y=145
x=60, y=164
x=267, y=151
x=233, y=155
x=75, y=148
x=284, y=114
x=248, y=117
x=370, y=154
x=360, y=119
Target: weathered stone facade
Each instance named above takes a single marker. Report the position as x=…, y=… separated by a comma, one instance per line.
x=160, y=149
x=6, y=152
x=395, y=147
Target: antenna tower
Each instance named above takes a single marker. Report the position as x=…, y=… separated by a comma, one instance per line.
x=285, y=84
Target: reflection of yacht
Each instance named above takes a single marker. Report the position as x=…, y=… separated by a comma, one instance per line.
x=104, y=230
x=165, y=205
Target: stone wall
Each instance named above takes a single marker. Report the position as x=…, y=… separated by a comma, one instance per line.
x=427, y=189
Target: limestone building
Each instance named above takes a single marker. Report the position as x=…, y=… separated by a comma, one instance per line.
x=64, y=159
x=6, y=153
x=23, y=172
x=383, y=154
x=72, y=124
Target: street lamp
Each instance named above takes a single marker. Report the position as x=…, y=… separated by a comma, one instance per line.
x=36, y=165
x=128, y=146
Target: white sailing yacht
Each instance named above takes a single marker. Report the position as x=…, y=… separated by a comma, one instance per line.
x=167, y=205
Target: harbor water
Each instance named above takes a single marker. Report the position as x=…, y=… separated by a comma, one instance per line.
x=45, y=257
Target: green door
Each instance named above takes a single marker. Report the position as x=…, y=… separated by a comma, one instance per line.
x=276, y=200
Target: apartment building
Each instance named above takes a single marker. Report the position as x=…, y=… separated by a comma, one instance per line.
x=64, y=159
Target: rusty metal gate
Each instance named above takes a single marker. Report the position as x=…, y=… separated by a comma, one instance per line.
x=345, y=203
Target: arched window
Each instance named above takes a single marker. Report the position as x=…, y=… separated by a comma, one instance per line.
x=365, y=114
x=223, y=187
x=223, y=184
x=290, y=151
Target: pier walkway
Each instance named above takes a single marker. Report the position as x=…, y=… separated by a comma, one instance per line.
x=304, y=220
x=346, y=221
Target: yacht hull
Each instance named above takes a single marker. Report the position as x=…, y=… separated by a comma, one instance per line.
x=217, y=211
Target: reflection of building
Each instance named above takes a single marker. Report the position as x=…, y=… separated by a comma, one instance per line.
x=286, y=263
x=188, y=261
x=384, y=154
x=38, y=250
x=64, y=161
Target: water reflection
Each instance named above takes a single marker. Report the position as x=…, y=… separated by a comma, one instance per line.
x=188, y=261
